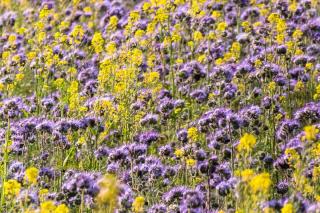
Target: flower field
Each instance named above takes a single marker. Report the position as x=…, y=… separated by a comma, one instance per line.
x=160, y=106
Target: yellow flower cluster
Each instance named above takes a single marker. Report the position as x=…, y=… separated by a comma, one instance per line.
x=11, y=188
x=193, y=134
x=31, y=175
x=137, y=205
x=260, y=183
x=246, y=143
x=74, y=99
x=97, y=42
x=179, y=153
x=49, y=207
x=109, y=190
x=113, y=23
x=316, y=96
x=310, y=132
x=287, y=208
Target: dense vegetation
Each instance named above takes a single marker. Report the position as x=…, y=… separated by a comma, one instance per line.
x=179, y=106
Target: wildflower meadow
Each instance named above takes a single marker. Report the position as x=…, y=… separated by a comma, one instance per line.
x=160, y=106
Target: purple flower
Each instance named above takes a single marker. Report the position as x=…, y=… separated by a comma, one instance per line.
x=147, y=137
x=158, y=208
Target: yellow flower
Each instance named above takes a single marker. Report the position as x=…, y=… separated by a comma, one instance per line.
x=1, y=87
x=197, y=36
x=166, y=41
x=158, y=2
x=111, y=48
x=236, y=50
x=246, y=143
x=87, y=10
x=316, y=172
x=73, y=87
x=81, y=140
x=246, y=174
x=318, y=89
x=190, y=44
x=292, y=7
x=5, y=55
x=179, y=2
x=113, y=23
x=272, y=86
x=139, y=34
x=293, y=156
x=62, y=208
x=298, y=52
x=258, y=63
x=16, y=59
x=219, y=61
x=134, y=16
x=273, y=18
x=260, y=183
x=202, y=58
x=161, y=15
x=97, y=42
x=299, y=86
x=222, y=26
x=136, y=56
x=257, y=24
x=176, y=37
x=278, y=117
x=45, y=12
x=47, y=207
x=309, y=66
x=31, y=55
x=11, y=188
x=58, y=83
x=216, y=14
x=151, y=77
x=297, y=34
x=180, y=61
x=193, y=134
x=77, y=33
x=12, y=39
x=316, y=150
x=212, y=36
x=39, y=25
x=137, y=205
x=246, y=26
x=108, y=189
x=151, y=27
x=287, y=208
x=179, y=153
x=281, y=26
x=19, y=77
x=290, y=46
x=280, y=38
x=311, y=132
x=31, y=175
x=41, y=36
x=64, y=25
x=43, y=192
x=190, y=162
x=146, y=6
